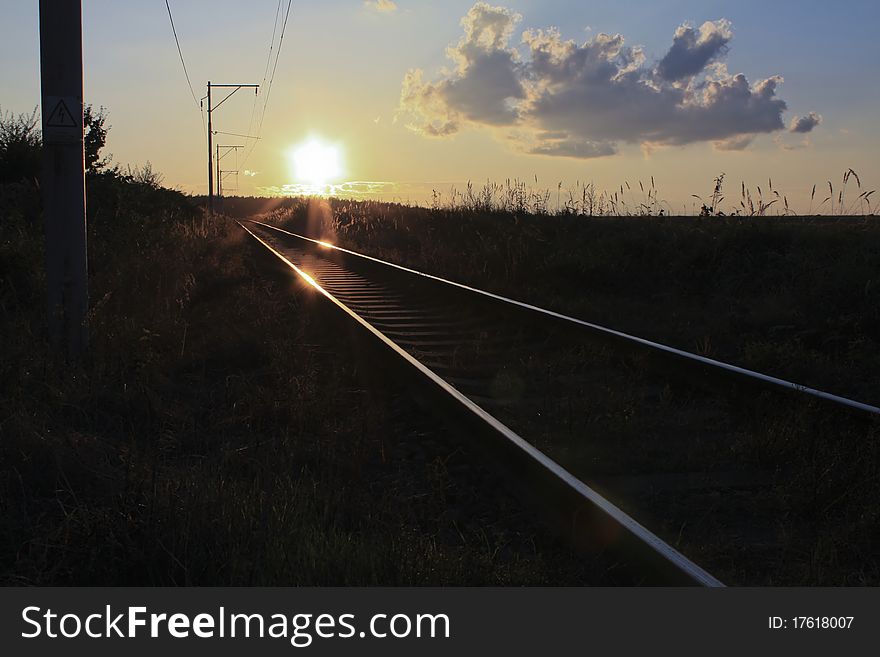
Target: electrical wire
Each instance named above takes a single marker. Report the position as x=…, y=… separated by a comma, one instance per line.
x=252, y=146
x=269, y=62
x=274, y=69
x=234, y=134
x=275, y=66
x=183, y=62
x=265, y=73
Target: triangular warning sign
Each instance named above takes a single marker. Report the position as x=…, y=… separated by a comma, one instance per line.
x=60, y=117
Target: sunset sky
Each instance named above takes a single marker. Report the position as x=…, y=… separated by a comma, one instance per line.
x=420, y=95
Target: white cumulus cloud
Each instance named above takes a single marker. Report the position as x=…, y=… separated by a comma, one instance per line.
x=552, y=96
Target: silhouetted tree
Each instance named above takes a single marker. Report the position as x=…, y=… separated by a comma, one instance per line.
x=95, y=137
x=20, y=144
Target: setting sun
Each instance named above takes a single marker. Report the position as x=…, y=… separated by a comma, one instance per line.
x=316, y=162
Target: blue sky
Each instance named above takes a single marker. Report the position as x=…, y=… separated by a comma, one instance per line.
x=343, y=64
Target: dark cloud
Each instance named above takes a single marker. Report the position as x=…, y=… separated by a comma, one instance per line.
x=803, y=124
x=693, y=50
x=482, y=93
x=601, y=91
x=582, y=100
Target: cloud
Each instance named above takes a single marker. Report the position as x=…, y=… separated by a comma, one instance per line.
x=561, y=144
x=384, y=6
x=573, y=148
x=350, y=189
x=691, y=50
x=801, y=125
x=483, y=87
x=738, y=143
x=797, y=146
x=602, y=91
x=552, y=96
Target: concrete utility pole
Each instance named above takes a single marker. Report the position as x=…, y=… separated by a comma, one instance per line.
x=63, y=175
x=211, y=108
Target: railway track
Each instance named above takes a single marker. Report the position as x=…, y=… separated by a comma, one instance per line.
x=559, y=402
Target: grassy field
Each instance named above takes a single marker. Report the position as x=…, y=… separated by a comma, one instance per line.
x=795, y=297
x=201, y=442
x=220, y=433
x=792, y=491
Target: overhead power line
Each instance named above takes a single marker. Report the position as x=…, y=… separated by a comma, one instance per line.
x=272, y=42
x=268, y=63
x=211, y=109
x=235, y=134
x=271, y=64
x=182, y=61
x=274, y=69
x=275, y=66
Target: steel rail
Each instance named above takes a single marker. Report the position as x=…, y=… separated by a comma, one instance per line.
x=665, y=350
x=657, y=552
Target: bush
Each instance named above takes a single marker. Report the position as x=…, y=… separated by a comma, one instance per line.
x=20, y=145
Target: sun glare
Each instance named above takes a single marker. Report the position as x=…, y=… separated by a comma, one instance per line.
x=316, y=162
